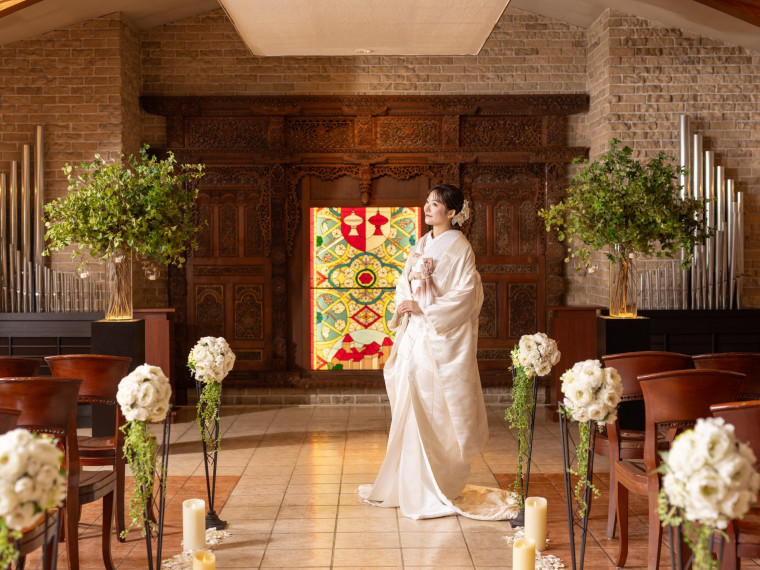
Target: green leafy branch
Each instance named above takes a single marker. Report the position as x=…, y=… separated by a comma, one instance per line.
x=582, y=453
x=518, y=416
x=619, y=200
x=8, y=551
x=141, y=204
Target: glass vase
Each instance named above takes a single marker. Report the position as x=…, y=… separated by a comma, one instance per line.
x=623, y=287
x=119, y=286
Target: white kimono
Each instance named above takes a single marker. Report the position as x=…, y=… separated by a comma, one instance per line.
x=439, y=422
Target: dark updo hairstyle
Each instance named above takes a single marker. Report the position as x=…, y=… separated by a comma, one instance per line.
x=451, y=196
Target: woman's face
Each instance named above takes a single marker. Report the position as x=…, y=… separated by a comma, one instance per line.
x=436, y=213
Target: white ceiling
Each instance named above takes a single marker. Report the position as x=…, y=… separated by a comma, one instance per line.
x=309, y=27
x=383, y=27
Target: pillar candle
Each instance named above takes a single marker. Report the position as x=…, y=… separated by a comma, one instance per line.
x=535, y=521
x=194, y=524
x=523, y=554
x=204, y=560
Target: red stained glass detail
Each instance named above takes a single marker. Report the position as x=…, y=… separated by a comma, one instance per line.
x=365, y=317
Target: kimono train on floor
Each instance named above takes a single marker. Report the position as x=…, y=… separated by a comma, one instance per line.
x=439, y=420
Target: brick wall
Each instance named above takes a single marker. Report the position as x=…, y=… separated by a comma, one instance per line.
x=82, y=84
x=642, y=76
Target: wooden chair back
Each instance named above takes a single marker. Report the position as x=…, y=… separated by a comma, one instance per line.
x=679, y=398
x=100, y=374
x=631, y=365
x=19, y=366
x=747, y=363
x=8, y=419
x=745, y=417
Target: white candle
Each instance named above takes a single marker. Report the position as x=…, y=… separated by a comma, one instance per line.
x=204, y=560
x=523, y=554
x=535, y=521
x=194, y=524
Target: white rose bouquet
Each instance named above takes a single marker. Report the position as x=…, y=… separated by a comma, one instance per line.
x=533, y=356
x=210, y=360
x=32, y=482
x=592, y=394
x=143, y=396
x=710, y=477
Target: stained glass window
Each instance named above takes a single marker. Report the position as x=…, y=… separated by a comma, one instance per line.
x=357, y=254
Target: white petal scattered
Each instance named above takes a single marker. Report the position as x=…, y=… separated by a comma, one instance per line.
x=543, y=561
x=184, y=561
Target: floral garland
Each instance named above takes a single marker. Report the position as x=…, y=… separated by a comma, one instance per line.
x=144, y=397
x=709, y=480
x=32, y=482
x=592, y=394
x=210, y=360
x=534, y=355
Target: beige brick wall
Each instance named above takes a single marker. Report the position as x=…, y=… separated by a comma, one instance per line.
x=82, y=83
x=642, y=77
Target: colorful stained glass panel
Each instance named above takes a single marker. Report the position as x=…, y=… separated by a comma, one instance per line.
x=357, y=256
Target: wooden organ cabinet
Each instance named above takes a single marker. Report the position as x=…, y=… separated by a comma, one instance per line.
x=270, y=159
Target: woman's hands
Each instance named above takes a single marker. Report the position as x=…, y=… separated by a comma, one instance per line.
x=408, y=307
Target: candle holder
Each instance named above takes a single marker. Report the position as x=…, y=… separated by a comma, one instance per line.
x=577, y=514
x=154, y=529
x=211, y=429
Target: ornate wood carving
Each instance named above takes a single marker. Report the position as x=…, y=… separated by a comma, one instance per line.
x=508, y=152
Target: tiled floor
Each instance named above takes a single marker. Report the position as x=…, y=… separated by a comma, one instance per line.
x=286, y=485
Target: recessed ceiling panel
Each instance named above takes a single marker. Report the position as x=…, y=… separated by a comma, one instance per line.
x=383, y=27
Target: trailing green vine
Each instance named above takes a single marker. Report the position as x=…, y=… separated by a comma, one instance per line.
x=518, y=416
x=208, y=411
x=582, y=453
x=697, y=536
x=8, y=551
x=140, y=450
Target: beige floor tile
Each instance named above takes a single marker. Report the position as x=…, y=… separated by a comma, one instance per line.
x=311, y=499
x=367, y=539
x=385, y=524
x=436, y=557
x=432, y=540
x=300, y=526
x=315, y=540
x=299, y=558
x=443, y=524
x=366, y=557
x=365, y=511
x=234, y=510
x=308, y=512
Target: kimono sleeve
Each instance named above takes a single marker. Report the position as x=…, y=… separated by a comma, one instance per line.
x=403, y=293
x=462, y=301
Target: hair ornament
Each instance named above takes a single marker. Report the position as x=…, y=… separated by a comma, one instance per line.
x=462, y=216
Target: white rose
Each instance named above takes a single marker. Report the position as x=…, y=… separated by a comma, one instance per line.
x=675, y=489
x=596, y=412
x=706, y=490
x=12, y=465
x=146, y=395
x=48, y=476
x=199, y=353
x=8, y=499
x=543, y=369
x=683, y=457
x=22, y=517
x=26, y=489
x=582, y=395
x=580, y=414
x=46, y=450
x=719, y=438
x=736, y=470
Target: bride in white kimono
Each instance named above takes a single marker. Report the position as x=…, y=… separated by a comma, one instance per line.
x=439, y=422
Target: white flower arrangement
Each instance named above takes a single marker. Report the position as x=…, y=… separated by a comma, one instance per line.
x=710, y=475
x=144, y=394
x=32, y=482
x=592, y=393
x=211, y=359
x=31, y=477
x=536, y=354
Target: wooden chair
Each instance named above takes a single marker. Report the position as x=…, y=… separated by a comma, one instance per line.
x=743, y=535
x=100, y=376
x=48, y=405
x=624, y=438
x=673, y=400
x=8, y=419
x=747, y=363
x=16, y=366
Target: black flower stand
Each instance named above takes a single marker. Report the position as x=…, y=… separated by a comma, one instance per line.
x=520, y=519
x=576, y=515
x=154, y=529
x=211, y=431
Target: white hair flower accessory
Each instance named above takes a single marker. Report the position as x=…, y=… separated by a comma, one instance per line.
x=462, y=216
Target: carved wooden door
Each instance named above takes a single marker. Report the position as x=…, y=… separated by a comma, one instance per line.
x=228, y=275
x=509, y=249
